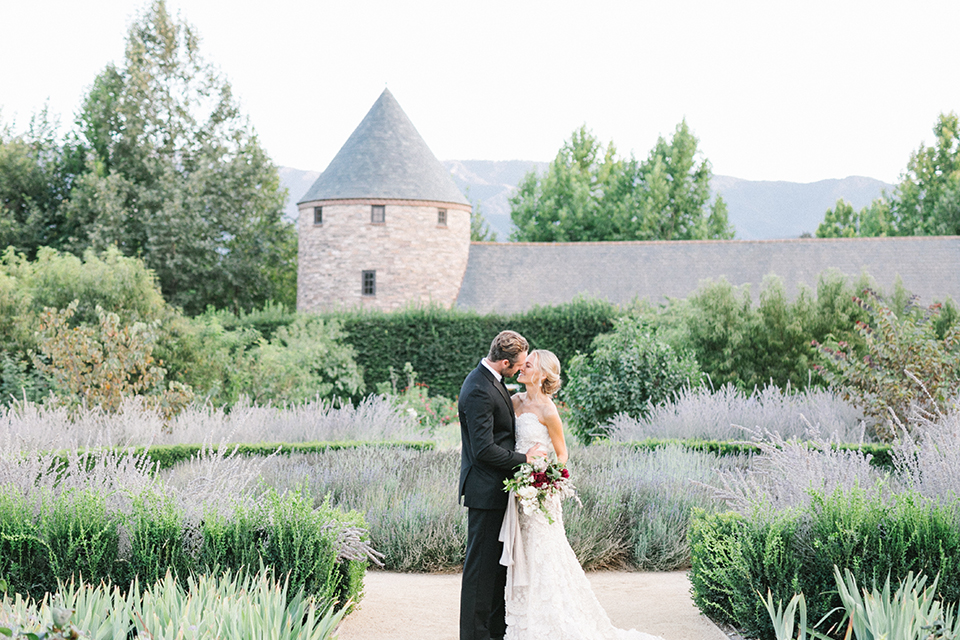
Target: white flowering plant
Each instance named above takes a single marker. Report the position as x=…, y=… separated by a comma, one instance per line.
x=535, y=481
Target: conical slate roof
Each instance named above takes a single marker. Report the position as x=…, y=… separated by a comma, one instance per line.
x=385, y=157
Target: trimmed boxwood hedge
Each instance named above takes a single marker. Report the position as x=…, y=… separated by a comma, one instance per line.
x=444, y=345
x=169, y=455
x=882, y=454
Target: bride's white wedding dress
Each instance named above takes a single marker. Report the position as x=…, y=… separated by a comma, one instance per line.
x=558, y=603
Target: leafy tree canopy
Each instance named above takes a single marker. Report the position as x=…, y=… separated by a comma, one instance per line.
x=37, y=172
x=925, y=203
x=480, y=230
x=590, y=194
x=163, y=166
x=178, y=175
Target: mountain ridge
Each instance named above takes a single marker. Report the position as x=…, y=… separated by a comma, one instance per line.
x=758, y=209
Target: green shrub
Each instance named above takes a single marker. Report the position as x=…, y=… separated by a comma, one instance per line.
x=431, y=412
x=627, y=371
x=103, y=365
x=735, y=557
x=215, y=362
x=166, y=456
x=305, y=360
x=881, y=455
x=264, y=321
x=907, y=365
x=754, y=344
x=83, y=532
x=108, y=280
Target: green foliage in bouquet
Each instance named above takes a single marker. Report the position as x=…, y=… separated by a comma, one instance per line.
x=628, y=371
x=911, y=362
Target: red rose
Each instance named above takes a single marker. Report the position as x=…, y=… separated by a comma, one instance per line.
x=564, y=473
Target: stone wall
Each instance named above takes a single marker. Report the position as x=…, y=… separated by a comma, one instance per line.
x=415, y=258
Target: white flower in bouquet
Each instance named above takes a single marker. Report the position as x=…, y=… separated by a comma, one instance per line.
x=534, y=482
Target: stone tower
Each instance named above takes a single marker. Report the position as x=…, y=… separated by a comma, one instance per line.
x=384, y=225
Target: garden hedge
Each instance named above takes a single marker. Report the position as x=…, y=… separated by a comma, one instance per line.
x=737, y=558
x=169, y=455
x=84, y=533
x=881, y=454
x=445, y=345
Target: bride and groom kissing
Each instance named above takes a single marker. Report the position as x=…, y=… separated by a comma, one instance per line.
x=499, y=432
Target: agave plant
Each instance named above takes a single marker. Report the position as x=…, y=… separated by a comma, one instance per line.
x=227, y=606
x=910, y=613
x=783, y=619
x=240, y=606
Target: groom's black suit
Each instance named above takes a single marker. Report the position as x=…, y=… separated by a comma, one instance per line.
x=487, y=430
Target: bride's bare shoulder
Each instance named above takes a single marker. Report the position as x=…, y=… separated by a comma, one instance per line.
x=550, y=409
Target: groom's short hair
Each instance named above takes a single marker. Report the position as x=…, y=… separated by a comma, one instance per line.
x=507, y=346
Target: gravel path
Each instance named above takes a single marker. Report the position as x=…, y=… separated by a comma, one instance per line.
x=416, y=606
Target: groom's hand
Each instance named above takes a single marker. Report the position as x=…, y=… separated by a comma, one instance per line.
x=535, y=452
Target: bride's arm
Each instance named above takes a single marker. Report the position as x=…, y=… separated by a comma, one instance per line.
x=555, y=429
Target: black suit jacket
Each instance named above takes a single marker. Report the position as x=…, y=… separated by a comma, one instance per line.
x=487, y=431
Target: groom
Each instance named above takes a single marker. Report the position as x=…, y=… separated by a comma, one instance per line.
x=487, y=425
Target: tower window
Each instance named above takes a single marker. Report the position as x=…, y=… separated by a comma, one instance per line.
x=441, y=217
x=369, y=283
x=318, y=215
x=378, y=213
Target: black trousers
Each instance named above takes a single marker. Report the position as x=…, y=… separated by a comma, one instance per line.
x=482, y=607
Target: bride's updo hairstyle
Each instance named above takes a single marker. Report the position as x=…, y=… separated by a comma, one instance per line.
x=549, y=367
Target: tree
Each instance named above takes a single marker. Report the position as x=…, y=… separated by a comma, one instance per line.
x=909, y=367
x=589, y=194
x=480, y=230
x=843, y=221
x=677, y=188
x=927, y=200
x=566, y=204
x=925, y=203
x=102, y=366
x=36, y=175
x=178, y=176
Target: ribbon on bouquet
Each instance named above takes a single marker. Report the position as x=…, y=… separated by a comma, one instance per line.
x=513, y=558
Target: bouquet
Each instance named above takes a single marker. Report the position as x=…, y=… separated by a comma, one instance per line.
x=534, y=482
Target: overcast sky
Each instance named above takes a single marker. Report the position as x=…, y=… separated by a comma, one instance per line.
x=798, y=91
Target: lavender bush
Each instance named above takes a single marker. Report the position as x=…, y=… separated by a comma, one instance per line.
x=731, y=414
x=787, y=472
x=35, y=427
x=636, y=505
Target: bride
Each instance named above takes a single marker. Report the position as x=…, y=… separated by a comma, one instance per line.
x=557, y=601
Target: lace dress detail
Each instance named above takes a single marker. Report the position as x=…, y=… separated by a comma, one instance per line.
x=558, y=604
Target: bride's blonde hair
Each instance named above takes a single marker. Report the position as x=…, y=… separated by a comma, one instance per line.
x=549, y=366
